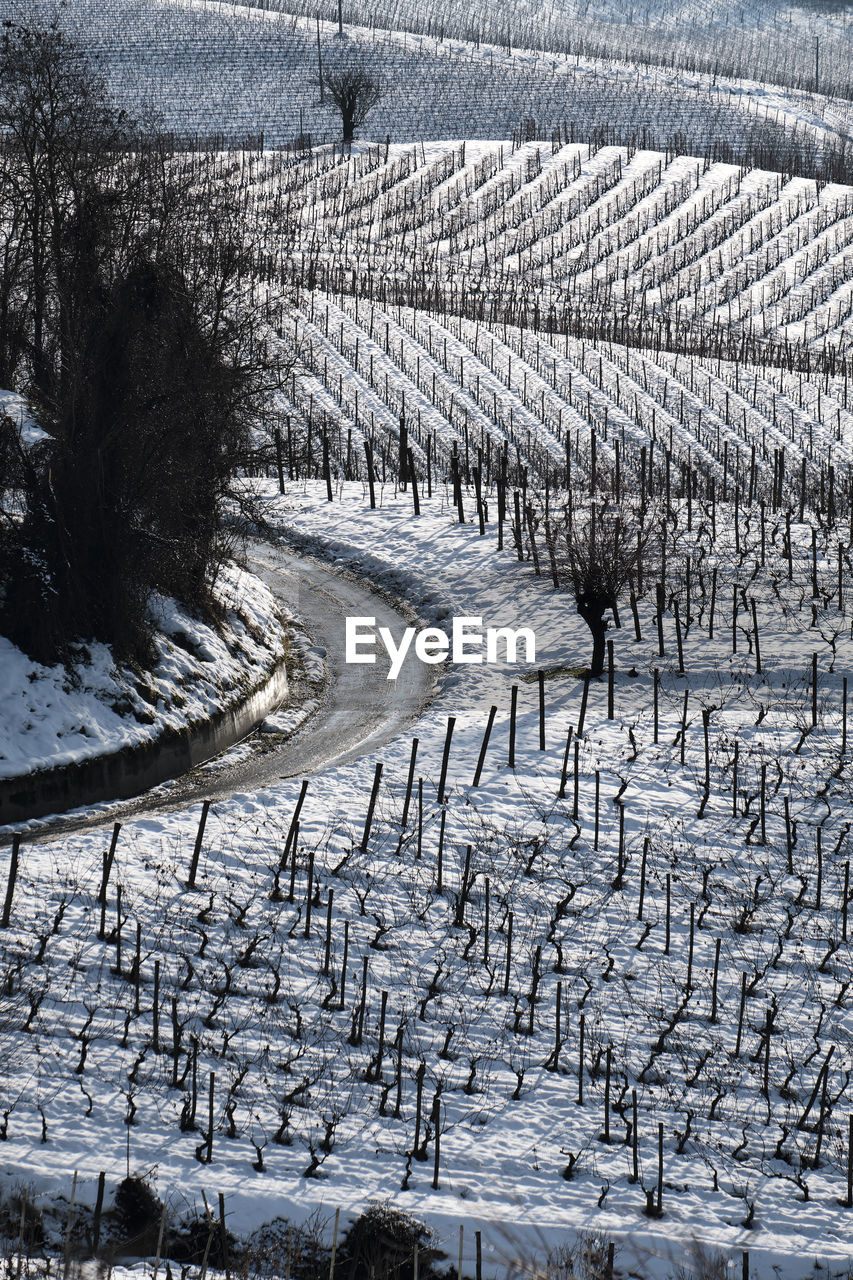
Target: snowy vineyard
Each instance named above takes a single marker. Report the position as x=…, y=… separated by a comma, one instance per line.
x=575, y=953
x=237, y=73
x=516, y=945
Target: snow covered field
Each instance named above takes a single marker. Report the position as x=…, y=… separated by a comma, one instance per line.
x=237, y=72
x=286, y=1009
x=568, y=955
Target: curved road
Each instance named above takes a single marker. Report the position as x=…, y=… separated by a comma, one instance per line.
x=360, y=709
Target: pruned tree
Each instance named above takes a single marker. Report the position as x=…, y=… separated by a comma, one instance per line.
x=355, y=90
x=600, y=545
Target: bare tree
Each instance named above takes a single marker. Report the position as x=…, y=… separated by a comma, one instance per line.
x=124, y=318
x=601, y=545
x=354, y=91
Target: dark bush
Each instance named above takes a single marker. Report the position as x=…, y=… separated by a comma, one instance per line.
x=380, y=1245
x=142, y=362
x=137, y=1214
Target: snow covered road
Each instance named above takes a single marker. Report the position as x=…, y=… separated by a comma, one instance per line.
x=351, y=711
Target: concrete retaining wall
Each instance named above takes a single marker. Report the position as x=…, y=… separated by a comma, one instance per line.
x=132, y=770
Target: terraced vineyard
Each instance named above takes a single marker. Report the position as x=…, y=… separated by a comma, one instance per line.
x=531, y=298
x=238, y=72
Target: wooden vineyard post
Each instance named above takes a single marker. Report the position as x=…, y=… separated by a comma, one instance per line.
x=109, y=858
x=755, y=634
x=668, y=912
x=636, y=616
x=541, y=675
x=398, y=1050
x=416, y=502
x=706, y=723
x=576, y=782
x=642, y=894
x=368, y=457
x=508, y=953
x=155, y=1010
x=291, y=893
x=176, y=1042
x=620, y=858
x=290, y=842
x=358, y=1018
x=678, y=640
x=561, y=794
x=380, y=1052
x=714, y=981
x=436, y=1122
x=464, y=890
x=479, y=496
x=205, y=809
x=117, y=970
x=334, y=1238
x=513, y=711
x=278, y=460
x=342, y=1000
x=368, y=822
x=418, y=1149
x=451, y=721
x=156, y=1257
x=656, y=683
x=712, y=604
x=10, y=883
x=659, y=593
x=327, y=955
x=409, y=781
x=404, y=452
x=582, y=712
x=439, y=865
x=309, y=893
x=688, y=986
x=481, y=760
x=96, y=1217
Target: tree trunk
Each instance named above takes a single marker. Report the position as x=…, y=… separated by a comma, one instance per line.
x=592, y=612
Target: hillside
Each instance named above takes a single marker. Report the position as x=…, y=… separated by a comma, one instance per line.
x=570, y=955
